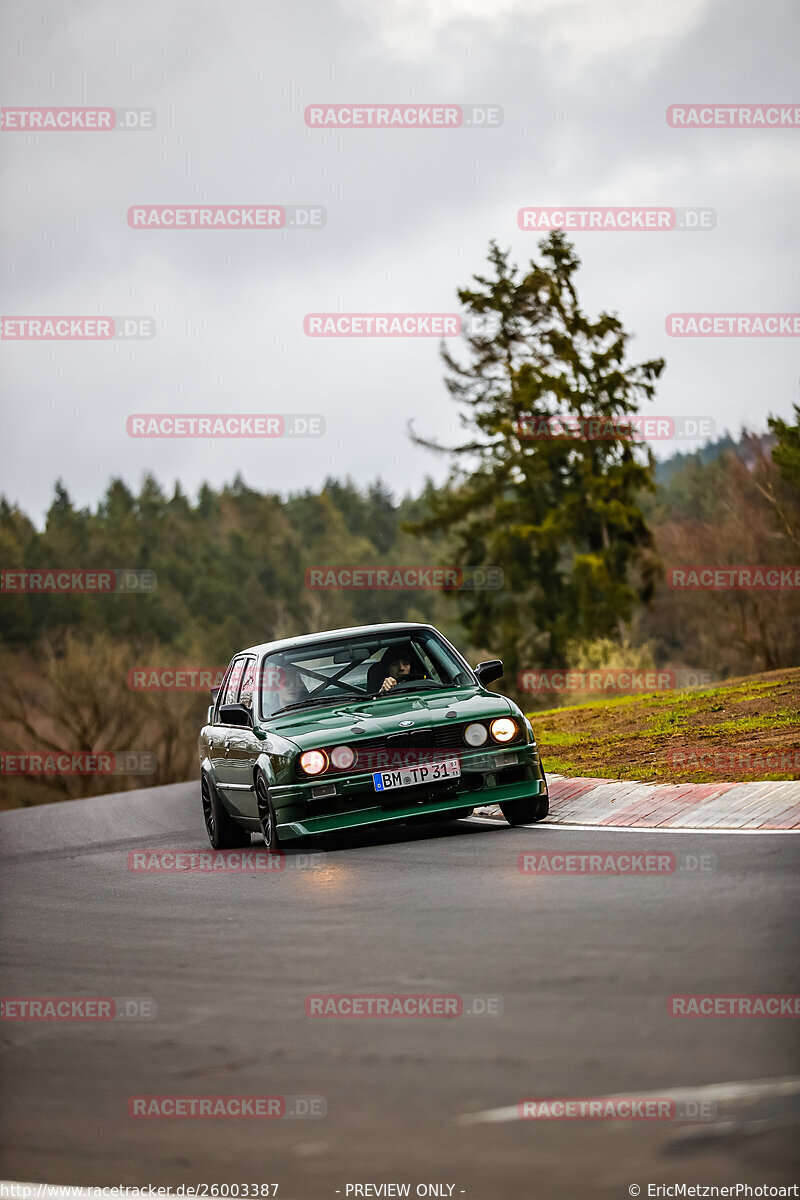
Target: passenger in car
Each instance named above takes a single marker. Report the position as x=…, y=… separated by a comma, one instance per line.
x=293, y=690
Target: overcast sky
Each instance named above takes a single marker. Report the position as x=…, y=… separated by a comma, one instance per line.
x=584, y=86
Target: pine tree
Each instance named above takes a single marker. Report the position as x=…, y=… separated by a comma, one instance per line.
x=561, y=518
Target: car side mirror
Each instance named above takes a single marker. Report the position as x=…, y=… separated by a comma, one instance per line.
x=488, y=671
x=235, y=714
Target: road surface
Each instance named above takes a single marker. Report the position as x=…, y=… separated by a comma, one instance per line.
x=582, y=967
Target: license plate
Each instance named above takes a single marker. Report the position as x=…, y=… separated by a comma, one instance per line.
x=387, y=781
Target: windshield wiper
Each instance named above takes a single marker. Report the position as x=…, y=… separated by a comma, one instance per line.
x=312, y=701
x=412, y=685
x=300, y=704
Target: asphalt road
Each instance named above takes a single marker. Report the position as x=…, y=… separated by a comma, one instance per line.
x=583, y=968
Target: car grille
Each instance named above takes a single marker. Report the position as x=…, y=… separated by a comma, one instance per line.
x=435, y=743
x=410, y=747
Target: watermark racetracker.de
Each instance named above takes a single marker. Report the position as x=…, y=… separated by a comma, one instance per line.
x=402, y=1006
x=77, y=120
x=742, y=324
x=733, y=116
x=157, y=861
x=225, y=425
x=175, y=679
x=619, y=219
x=78, y=1008
x=227, y=216
x=404, y=578
x=272, y=678
x=757, y=1004
x=615, y=1108
x=78, y=762
x=734, y=578
x=403, y=116
x=612, y=862
x=56, y=581
x=625, y=681
x=399, y=324
x=76, y=329
x=225, y=1107
x=384, y=759
x=735, y=760
x=635, y=427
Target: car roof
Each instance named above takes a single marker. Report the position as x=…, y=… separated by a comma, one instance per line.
x=326, y=634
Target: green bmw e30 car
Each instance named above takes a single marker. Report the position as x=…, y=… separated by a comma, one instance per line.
x=360, y=727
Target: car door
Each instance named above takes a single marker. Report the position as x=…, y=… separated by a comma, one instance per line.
x=239, y=748
x=220, y=733
x=215, y=730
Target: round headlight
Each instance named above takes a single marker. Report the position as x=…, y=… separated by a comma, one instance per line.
x=475, y=735
x=314, y=762
x=342, y=757
x=503, y=729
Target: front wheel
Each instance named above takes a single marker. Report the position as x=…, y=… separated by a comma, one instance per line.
x=266, y=814
x=526, y=811
x=223, y=832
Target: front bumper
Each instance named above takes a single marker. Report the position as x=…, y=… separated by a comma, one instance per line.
x=488, y=777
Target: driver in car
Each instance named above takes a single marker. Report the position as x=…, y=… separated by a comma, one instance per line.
x=399, y=668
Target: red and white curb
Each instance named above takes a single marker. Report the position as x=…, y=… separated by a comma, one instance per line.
x=619, y=804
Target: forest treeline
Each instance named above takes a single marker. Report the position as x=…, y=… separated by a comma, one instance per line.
x=584, y=529
x=230, y=568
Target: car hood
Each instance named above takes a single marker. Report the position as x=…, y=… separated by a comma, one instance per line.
x=372, y=718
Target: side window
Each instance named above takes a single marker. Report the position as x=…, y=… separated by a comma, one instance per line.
x=248, y=683
x=220, y=696
x=230, y=688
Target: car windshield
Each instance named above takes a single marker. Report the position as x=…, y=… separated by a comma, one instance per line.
x=344, y=670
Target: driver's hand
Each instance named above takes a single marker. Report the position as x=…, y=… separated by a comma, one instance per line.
x=388, y=683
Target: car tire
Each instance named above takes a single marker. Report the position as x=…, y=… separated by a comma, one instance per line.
x=223, y=832
x=266, y=815
x=527, y=811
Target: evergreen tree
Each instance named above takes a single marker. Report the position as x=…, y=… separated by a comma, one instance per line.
x=786, y=452
x=560, y=517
